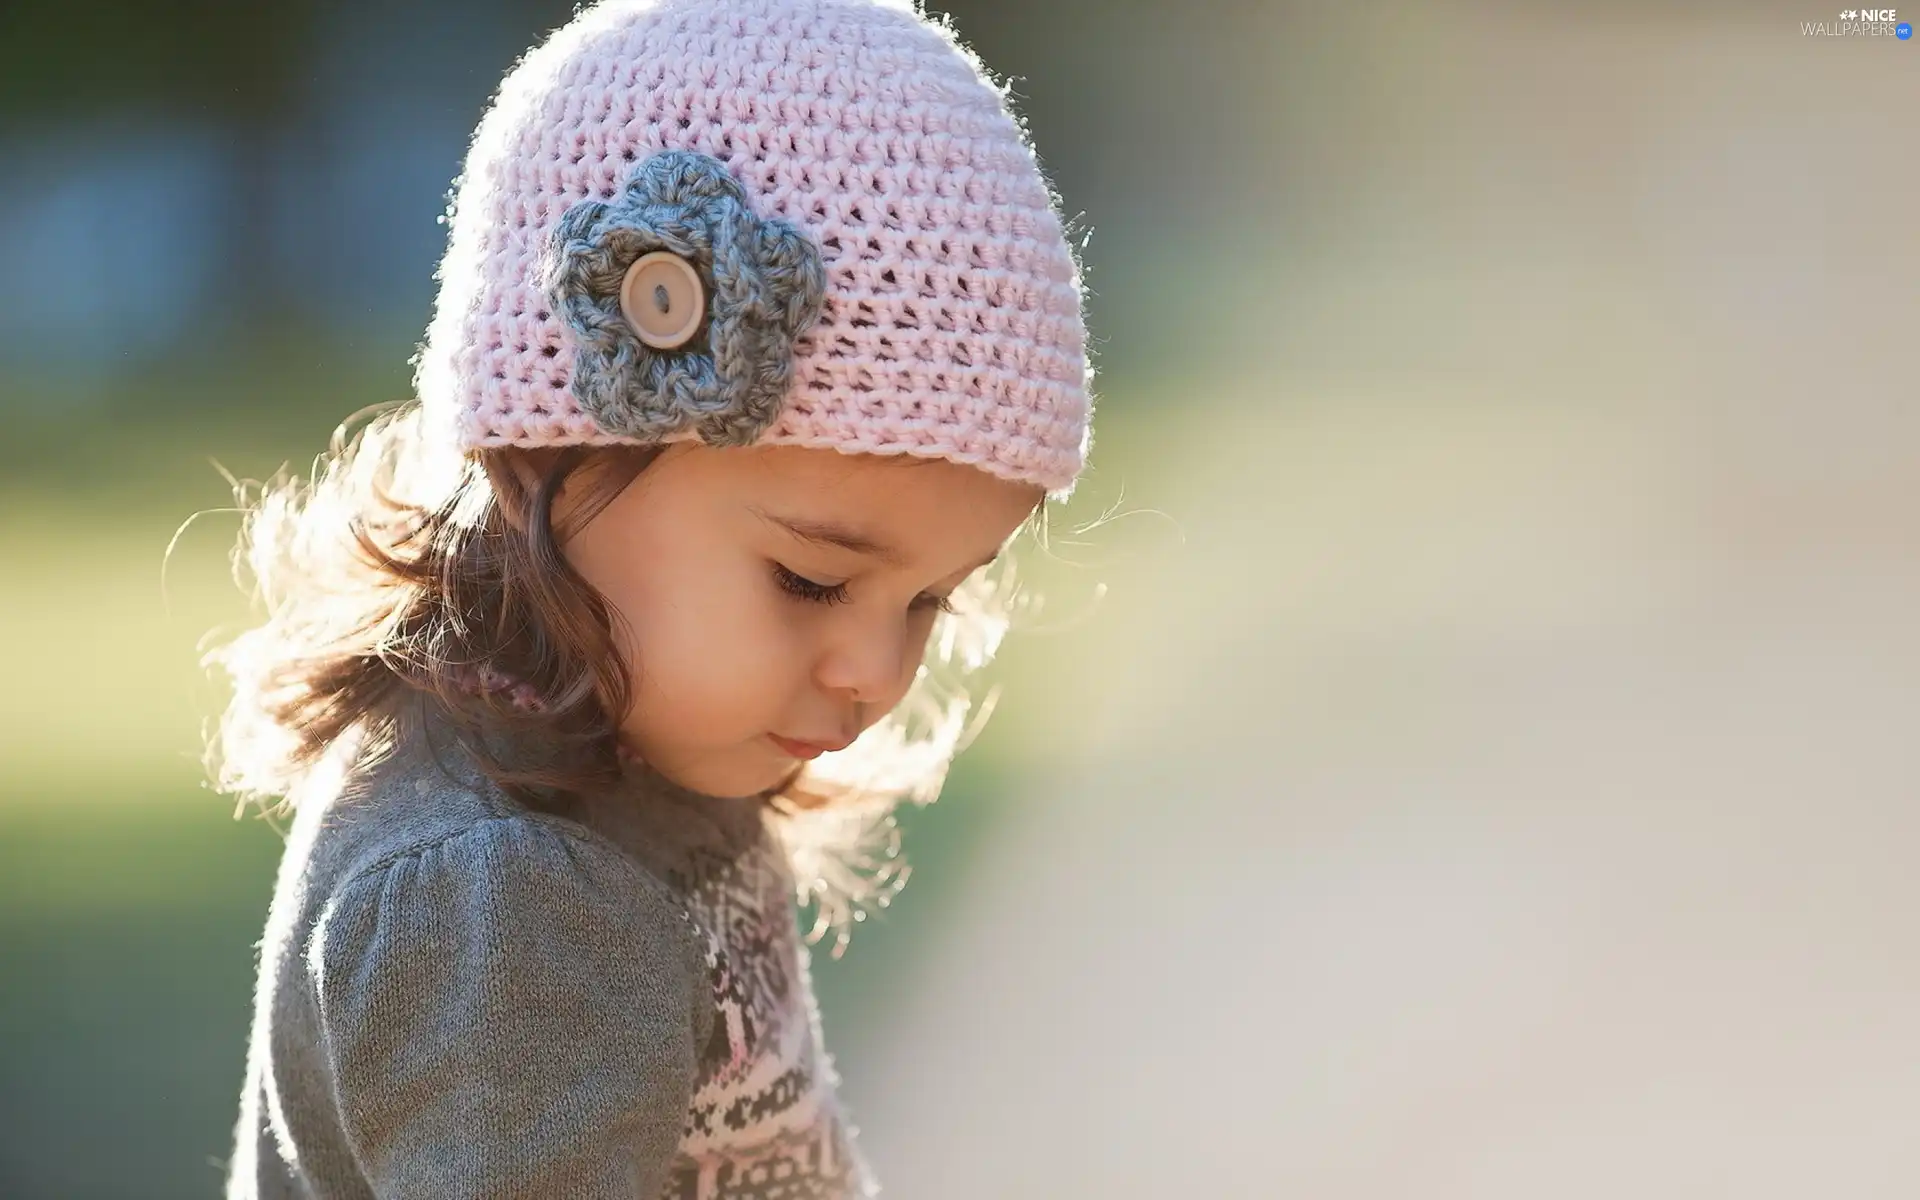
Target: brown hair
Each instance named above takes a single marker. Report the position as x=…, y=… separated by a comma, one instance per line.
x=403, y=567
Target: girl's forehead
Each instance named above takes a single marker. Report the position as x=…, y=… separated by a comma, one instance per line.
x=896, y=499
x=832, y=476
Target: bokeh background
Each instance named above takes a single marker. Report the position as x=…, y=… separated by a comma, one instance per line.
x=1471, y=744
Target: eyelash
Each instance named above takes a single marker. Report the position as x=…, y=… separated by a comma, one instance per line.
x=800, y=587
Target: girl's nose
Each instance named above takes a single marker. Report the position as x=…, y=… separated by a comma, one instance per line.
x=868, y=664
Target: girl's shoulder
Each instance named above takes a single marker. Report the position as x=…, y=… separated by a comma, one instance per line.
x=419, y=797
x=422, y=836
x=438, y=956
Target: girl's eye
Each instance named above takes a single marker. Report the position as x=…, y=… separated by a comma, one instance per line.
x=836, y=593
x=807, y=589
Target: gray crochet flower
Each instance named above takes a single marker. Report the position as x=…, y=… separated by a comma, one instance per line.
x=764, y=282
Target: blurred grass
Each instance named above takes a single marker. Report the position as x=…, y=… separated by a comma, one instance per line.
x=131, y=898
x=128, y=979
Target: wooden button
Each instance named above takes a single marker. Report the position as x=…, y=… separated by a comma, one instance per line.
x=662, y=298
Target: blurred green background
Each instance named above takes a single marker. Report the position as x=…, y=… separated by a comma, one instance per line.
x=1487, y=772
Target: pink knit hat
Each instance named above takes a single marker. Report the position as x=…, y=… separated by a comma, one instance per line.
x=791, y=222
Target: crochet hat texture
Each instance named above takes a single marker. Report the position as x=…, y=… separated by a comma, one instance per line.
x=787, y=222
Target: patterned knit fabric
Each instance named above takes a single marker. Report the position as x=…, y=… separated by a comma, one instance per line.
x=860, y=140
x=765, y=1120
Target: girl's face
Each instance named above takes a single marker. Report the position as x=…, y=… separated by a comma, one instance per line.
x=774, y=595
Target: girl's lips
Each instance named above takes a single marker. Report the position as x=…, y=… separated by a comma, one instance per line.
x=804, y=750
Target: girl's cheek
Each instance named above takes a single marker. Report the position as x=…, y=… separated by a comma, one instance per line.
x=916, y=653
x=748, y=629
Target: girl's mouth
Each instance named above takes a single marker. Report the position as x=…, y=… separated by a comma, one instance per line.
x=795, y=748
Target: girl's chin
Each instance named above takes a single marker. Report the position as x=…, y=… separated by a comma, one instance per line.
x=747, y=775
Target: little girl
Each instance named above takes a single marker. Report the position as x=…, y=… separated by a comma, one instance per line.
x=758, y=338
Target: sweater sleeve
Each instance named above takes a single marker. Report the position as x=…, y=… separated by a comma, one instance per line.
x=510, y=1012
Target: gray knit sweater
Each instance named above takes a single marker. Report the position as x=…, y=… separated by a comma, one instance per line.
x=461, y=998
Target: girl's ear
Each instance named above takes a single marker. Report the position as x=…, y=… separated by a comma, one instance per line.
x=592, y=478
x=516, y=474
